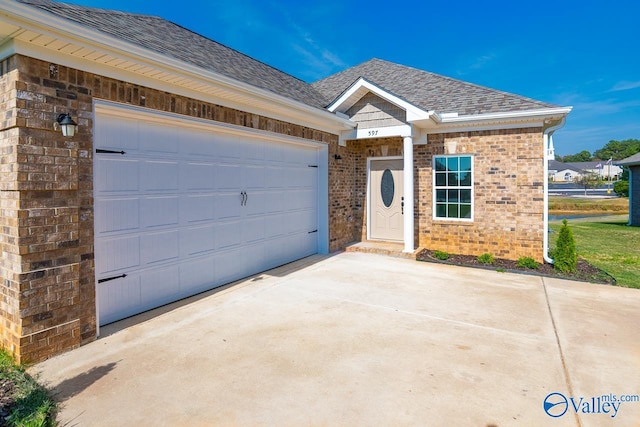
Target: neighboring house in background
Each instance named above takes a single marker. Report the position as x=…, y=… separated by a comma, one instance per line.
x=633, y=163
x=562, y=172
x=194, y=165
x=568, y=172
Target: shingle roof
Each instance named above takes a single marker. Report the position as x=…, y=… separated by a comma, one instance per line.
x=427, y=90
x=159, y=35
x=630, y=161
x=559, y=166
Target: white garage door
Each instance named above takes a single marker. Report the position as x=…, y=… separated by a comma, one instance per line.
x=186, y=209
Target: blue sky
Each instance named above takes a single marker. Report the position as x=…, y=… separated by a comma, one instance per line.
x=584, y=54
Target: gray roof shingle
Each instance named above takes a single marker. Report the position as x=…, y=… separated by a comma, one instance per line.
x=630, y=161
x=427, y=90
x=159, y=35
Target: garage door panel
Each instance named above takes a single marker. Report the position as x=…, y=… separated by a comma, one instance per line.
x=228, y=177
x=159, y=176
x=119, y=254
x=119, y=298
x=228, y=234
x=228, y=206
x=185, y=210
x=199, y=176
x=161, y=211
x=116, y=175
x=200, y=207
x=197, y=275
x=117, y=134
x=158, y=287
x=159, y=247
x=159, y=139
x=197, y=240
x=253, y=230
x=117, y=215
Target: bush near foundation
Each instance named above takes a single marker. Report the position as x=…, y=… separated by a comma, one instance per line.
x=565, y=257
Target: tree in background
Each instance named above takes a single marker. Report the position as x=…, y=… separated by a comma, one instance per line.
x=618, y=150
x=588, y=180
x=621, y=188
x=583, y=156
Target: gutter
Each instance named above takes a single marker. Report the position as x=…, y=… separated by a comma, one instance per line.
x=547, y=135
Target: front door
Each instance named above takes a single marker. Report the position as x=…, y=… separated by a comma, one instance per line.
x=386, y=195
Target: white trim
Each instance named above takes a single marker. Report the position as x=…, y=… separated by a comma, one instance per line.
x=409, y=220
x=434, y=189
x=545, y=179
x=361, y=87
x=525, y=114
x=369, y=160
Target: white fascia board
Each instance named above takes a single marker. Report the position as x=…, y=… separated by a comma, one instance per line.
x=494, y=121
x=413, y=113
x=33, y=19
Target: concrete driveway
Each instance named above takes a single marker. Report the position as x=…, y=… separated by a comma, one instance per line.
x=362, y=339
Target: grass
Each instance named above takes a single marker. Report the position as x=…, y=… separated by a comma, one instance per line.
x=611, y=246
x=28, y=403
x=573, y=205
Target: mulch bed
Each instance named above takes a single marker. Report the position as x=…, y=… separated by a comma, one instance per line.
x=585, y=271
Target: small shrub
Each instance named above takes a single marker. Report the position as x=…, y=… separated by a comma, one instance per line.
x=621, y=188
x=441, y=255
x=501, y=270
x=486, y=259
x=528, y=262
x=566, y=257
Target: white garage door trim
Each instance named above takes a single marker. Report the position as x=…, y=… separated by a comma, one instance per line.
x=112, y=112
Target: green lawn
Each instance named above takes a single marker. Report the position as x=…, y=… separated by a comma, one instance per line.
x=611, y=246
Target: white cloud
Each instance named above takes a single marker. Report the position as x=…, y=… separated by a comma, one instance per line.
x=624, y=85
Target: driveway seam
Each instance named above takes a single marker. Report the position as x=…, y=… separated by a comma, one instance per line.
x=565, y=369
x=417, y=314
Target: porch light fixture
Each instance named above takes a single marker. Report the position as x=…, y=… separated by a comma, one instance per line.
x=337, y=156
x=66, y=124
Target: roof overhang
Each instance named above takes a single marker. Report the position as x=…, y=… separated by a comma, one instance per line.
x=434, y=122
x=29, y=31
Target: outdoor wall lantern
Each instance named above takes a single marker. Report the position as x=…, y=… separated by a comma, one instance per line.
x=66, y=124
x=337, y=156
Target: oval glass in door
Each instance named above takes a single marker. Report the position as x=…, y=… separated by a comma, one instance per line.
x=387, y=188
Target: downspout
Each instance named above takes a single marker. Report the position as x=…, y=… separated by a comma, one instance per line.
x=631, y=201
x=547, y=138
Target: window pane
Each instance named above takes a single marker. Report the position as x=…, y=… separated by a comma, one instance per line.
x=465, y=196
x=465, y=163
x=441, y=164
x=465, y=211
x=452, y=211
x=453, y=179
x=441, y=179
x=453, y=196
x=441, y=211
x=452, y=164
x=441, y=195
x=465, y=179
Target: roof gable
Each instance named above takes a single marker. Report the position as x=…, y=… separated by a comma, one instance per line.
x=428, y=91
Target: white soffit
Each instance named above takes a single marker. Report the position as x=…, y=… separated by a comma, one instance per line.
x=31, y=32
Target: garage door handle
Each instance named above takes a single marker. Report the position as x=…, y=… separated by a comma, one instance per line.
x=246, y=197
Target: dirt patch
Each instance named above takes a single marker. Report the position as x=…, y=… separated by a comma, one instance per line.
x=585, y=272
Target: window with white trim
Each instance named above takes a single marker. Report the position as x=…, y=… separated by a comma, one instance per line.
x=453, y=187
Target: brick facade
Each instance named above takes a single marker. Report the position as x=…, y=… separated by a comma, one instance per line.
x=46, y=180
x=46, y=184
x=634, y=208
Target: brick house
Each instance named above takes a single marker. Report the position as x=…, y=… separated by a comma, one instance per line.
x=633, y=163
x=194, y=165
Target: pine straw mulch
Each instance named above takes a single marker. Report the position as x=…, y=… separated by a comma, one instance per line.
x=584, y=272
